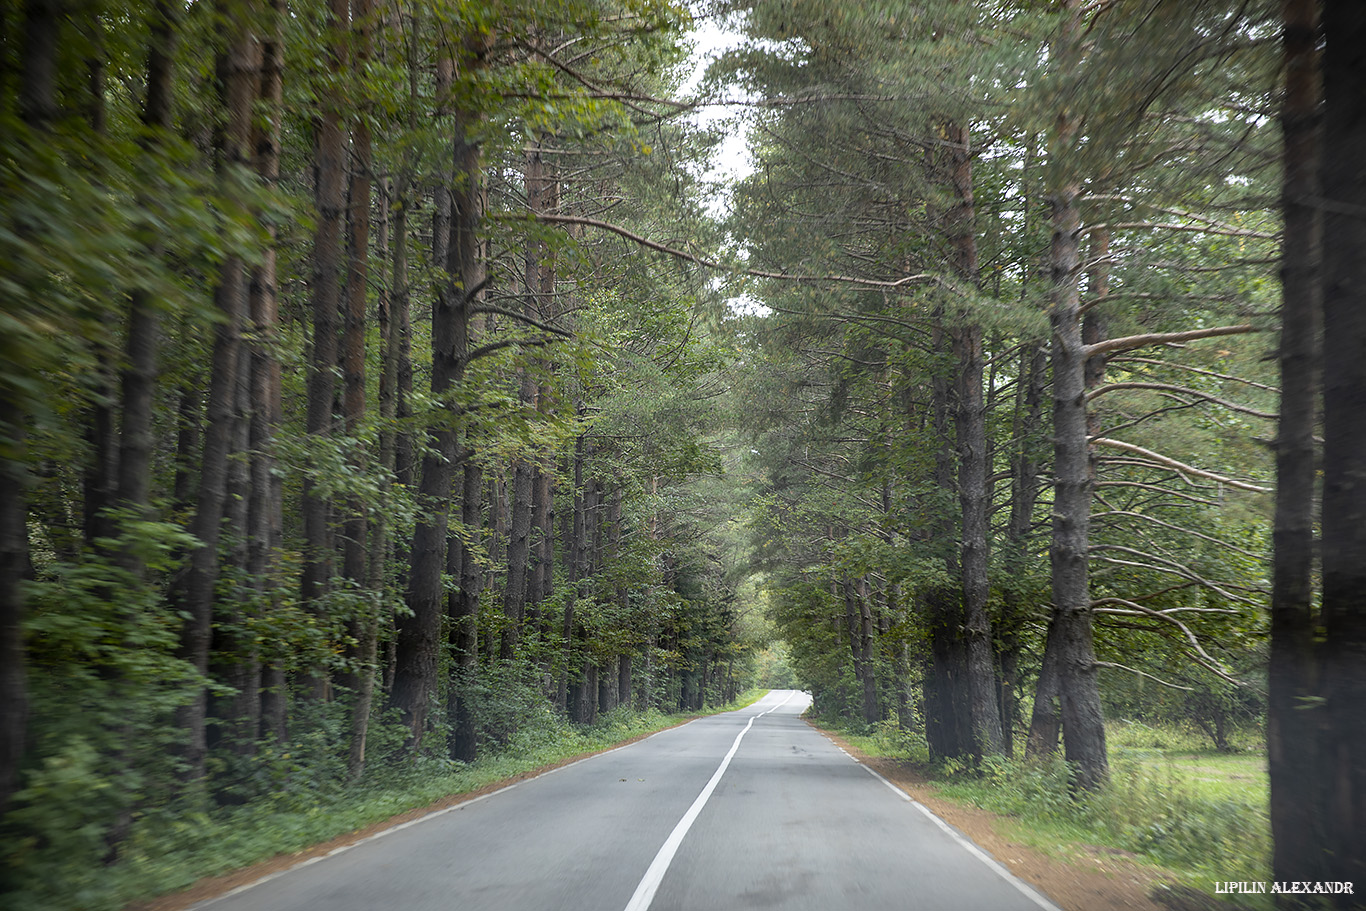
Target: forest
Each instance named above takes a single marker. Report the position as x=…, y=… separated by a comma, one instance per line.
x=387, y=385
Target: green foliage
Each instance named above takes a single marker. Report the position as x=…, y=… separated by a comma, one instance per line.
x=1158, y=810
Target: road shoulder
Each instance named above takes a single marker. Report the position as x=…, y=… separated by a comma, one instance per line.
x=1094, y=879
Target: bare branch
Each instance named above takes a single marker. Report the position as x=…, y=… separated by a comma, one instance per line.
x=491, y=347
x=713, y=264
x=1204, y=501
x=1164, y=387
x=1209, y=661
x=1189, y=369
x=1225, y=231
x=1134, y=670
x=1171, y=567
x=521, y=317
x=1129, y=342
x=1156, y=521
x=1179, y=466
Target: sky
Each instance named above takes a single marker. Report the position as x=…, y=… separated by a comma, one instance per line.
x=732, y=160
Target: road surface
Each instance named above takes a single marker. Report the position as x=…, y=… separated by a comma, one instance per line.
x=749, y=809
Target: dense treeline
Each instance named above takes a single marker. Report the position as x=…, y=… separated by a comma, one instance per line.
x=1023, y=424
x=314, y=420
x=914, y=443
x=352, y=419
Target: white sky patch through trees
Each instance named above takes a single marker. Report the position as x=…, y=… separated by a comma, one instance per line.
x=731, y=160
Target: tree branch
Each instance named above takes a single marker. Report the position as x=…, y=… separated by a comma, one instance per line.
x=1179, y=466
x=713, y=264
x=1134, y=670
x=1164, y=387
x=1129, y=342
x=1189, y=369
x=1134, y=607
x=491, y=347
x=1187, y=531
x=521, y=317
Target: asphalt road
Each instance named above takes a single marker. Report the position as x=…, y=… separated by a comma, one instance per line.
x=750, y=809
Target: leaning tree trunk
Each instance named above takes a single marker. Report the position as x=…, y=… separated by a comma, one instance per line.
x=1343, y=664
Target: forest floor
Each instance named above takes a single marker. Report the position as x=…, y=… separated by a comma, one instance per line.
x=1079, y=877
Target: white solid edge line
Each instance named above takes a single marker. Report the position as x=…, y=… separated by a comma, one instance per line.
x=1023, y=887
x=654, y=874
x=412, y=822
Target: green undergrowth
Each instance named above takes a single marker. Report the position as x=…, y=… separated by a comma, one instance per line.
x=1172, y=802
x=171, y=849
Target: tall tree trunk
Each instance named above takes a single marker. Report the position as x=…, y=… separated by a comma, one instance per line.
x=330, y=200
x=234, y=657
x=42, y=28
x=518, y=553
x=465, y=614
x=1071, y=624
x=1024, y=492
x=970, y=427
x=14, y=557
x=946, y=696
x=1343, y=664
x=37, y=107
x=1299, y=830
x=523, y=478
x=364, y=628
x=138, y=379
x=195, y=589
x=265, y=508
x=867, y=648
x=416, y=668
x=188, y=421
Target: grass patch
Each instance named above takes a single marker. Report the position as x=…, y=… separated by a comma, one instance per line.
x=173, y=848
x=1172, y=802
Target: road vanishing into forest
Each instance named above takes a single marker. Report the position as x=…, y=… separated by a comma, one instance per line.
x=749, y=809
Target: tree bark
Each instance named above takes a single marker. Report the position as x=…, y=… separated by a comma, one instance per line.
x=138, y=378
x=948, y=720
x=1294, y=716
x=872, y=711
x=363, y=628
x=518, y=555
x=194, y=592
x=1343, y=663
x=1083, y=724
x=14, y=557
x=1024, y=492
x=465, y=615
x=330, y=200
x=416, y=671
x=970, y=427
x=37, y=107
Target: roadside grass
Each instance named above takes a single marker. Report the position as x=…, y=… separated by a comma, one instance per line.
x=1199, y=815
x=171, y=850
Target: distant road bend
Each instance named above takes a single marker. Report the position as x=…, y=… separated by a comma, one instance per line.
x=750, y=809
